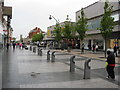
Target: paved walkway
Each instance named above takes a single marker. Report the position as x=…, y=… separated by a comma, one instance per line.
x=96, y=55
x=25, y=69
x=1, y=55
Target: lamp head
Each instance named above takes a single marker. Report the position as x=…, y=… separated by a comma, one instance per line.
x=50, y=17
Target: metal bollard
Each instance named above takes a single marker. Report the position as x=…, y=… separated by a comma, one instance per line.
x=40, y=51
x=30, y=48
x=34, y=49
x=53, y=57
x=72, y=64
x=48, y=55
x=87, y=69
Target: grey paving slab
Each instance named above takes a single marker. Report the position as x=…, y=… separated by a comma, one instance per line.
x=25, y=69
x=1, y=58
x=91, y=83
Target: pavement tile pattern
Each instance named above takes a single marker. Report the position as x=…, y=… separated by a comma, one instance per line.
x=25, y=69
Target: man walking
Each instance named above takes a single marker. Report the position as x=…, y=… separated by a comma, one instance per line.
x=115, y=50
x=14, y=45
x=110, y=65
x=83, y=48
x=7, y=46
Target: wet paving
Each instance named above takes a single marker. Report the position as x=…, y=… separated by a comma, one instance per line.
x=23, y=69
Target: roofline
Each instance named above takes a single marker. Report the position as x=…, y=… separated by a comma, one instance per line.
x=89, y=5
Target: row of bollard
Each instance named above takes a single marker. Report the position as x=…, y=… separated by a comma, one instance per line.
x=48, y=53
x=39, y=51
x=52, y=56
x=34, y=50
x=72, y=62
x=86, y=67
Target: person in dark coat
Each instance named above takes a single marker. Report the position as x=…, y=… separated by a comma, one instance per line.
x=110, y=65
x=14, y=45
x=7, y=46
x=83, y=48
x=115, y=49
x=93, y=47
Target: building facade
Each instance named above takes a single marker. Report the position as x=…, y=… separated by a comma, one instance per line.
x=36, y=30
x=50, y=29
x=94, y=13
x=2, y=24
x=5, y=27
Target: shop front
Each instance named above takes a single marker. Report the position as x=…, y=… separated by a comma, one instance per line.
x=96, y=39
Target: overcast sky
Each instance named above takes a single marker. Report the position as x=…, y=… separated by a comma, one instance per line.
x=28, y=14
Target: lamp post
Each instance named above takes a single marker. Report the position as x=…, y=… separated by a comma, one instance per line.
x=8, y=28
x=57, y=22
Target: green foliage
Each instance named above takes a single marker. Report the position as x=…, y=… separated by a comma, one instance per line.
x=81, y=26
x=37, y=37
x=68, y=30
x=14, y=39
x=57, y=32
x=107, y=22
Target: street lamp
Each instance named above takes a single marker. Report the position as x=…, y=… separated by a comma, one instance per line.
x=68, y=19
x=57, y=22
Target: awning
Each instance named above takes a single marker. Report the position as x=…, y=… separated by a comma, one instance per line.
x=48, y=39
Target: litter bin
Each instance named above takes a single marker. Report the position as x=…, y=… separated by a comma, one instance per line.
x=34, y=49
x=48, y=55
x=53, y=57
x=40, y=51
x=30, y=48
x=87, y=69
x=72, y=64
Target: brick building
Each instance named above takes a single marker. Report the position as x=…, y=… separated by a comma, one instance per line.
x=36, y=30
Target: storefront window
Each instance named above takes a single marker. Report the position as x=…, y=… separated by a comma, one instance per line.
x=113, y=42
x=94, y=24
x=100, y=43
x=116, y=17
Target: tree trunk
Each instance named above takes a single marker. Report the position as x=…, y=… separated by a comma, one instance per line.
x=81, y=42
x=105, y=47
x=58, y=44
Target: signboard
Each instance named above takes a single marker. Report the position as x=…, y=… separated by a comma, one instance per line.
x=1, y=28
x=5, y=30
x=7, y=11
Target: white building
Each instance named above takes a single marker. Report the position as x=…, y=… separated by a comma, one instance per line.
x=94, y=13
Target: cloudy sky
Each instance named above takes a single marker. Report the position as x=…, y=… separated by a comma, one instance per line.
x=28, y=14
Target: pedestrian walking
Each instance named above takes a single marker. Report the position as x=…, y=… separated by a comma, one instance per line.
x=93, y=47
x=110, y=65
x=7, y=46
x=17, y=45
x=89, y=46
x=38, y=45
x=83, y=48
x=96, y=47
x=20, y=45
x=14, y=45
x=115, y=50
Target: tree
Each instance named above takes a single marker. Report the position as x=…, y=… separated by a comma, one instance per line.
x=14, y=39
x=107, y=23
x=37, y=37
x=68, y=30
x=81, y=26
x=58, y=33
